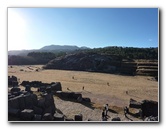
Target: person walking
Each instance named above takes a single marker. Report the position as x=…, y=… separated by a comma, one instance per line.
x=106, y=109
x=103, y=115
x=126, y=111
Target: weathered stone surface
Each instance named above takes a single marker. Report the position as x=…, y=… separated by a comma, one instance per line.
x=58, y=117
x=27, y=115
x=14, y=112
x=49, y=100
x=48, y=89
x=14, y=83
x=21, y=101
x=116, y=119
x=47, y=117
x=28, y=88
x=78, y=117
x=151, y=118
x=134, y=104
x=24, y=83
x=28, y=102
x=37, y=117
x=149, y=108
x=56, y=86
x=50, y=109
x=41, y=103
x=37, y=110
x=84, y=62
x=77, y=95
x=15, y=89
x=86, y=100
x=13, y=103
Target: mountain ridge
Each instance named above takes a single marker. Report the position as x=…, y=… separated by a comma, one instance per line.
x=48, y=48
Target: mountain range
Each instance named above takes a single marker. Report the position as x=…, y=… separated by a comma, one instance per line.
x=49, y=48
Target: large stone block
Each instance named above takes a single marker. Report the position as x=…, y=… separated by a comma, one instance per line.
x=47, y=117
x=28, y=101
x=37, y=110
x=37, y=117
x=28, y=88
x=58, y=117
x=50, y=109
x=15, y=89
x=56, y=86
x=41, y=103
x=78, y=117
x=149, y=108
x=14, y=112
x=21, y=101
x=13, y=103
x=27, y=115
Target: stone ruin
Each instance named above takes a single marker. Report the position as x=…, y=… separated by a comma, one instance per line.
x=12, y=81
x=27, y=106
x=148, y=108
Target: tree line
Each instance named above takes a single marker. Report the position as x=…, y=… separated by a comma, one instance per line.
x=34, y=58
x=128, y=52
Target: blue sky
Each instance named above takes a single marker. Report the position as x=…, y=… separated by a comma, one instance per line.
x=33, y=28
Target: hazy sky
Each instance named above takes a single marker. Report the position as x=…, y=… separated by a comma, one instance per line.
x=33, y=28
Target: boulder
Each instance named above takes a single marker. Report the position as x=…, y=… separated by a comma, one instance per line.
x=14, y=83
x=37, y=117
x=28, y=101
x=28, y=88
x=134, y=104
x=151, y=118
x=14, y=112
x=50, y=109
x=14, y=78
x=47, y=117
x=21, y=101
x=149, y=108
x=86, y=100
x=58, y=117
x=27, y=115
x=15, y=89
x=41, y=103
x=56, y=86
x=24, y=83
x=48, y=89
x=78, y=117
x=77, y=95
x=37, y=110
x=42, y=89
x=13, y=103
x=49, y=100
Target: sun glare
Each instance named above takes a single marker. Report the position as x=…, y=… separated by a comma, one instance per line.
x=16, y=31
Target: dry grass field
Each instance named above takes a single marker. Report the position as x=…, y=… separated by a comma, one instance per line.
x=99, y=87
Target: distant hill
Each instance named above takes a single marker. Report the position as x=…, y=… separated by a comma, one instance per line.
x=50, y=48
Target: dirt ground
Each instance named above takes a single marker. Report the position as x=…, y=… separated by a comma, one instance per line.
x=116, y=90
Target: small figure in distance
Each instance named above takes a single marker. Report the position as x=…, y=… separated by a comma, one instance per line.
x=67, y=88
x=126, y=111
x=106, y=109
x=103, y=116
x=127, y=92
x=73, y=77
x=83, y=88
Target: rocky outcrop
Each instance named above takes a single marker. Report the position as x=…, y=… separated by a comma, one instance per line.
x=85, y=62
